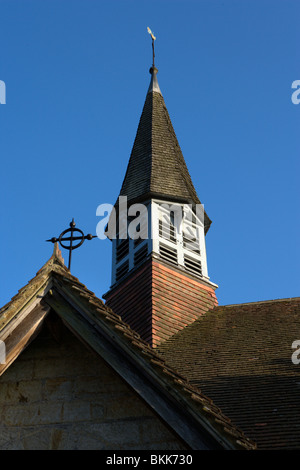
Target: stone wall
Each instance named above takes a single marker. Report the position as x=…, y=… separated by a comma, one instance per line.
x=60, y=395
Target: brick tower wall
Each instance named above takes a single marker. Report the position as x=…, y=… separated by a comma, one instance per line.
x=158, y=300
x=177, y=300
x=132, y=300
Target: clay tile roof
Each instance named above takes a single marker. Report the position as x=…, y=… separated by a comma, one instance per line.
x=34, y=286
x=200, y=403
x=54, y=278
x=240, y=356
x=156, y=167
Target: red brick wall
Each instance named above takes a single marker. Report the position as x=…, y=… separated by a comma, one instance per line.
x=158, y=300
x=132, y=300
x=177, y=300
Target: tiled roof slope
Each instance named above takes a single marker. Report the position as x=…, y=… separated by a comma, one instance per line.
x=240, y=356
x=37, y=285
x=156, y=166
x=55, y=277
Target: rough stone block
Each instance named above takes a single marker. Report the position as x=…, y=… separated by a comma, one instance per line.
x=58, y=389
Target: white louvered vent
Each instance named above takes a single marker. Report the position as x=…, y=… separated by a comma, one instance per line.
x=167, y=231
x=122, y=249
x=122, y=270
x=143, y=235
x=168, y=253
x=140, y=255
x=191, y=244
x=193, y=265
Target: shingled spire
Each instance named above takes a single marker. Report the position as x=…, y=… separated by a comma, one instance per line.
x=160, y=281
x=156, y=167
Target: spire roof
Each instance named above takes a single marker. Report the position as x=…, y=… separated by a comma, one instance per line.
x=156, y=167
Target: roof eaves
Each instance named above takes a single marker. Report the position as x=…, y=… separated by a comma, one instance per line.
x=35, y=289
x=200, y=408
x=261, y=302
x=54, y=276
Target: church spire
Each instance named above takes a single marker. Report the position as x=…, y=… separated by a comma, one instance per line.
x=164, y=266
x=156, y=167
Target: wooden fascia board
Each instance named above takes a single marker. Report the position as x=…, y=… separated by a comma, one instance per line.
x=163, y=397
x=22, y=335
x=16, y=315
x=24, y=323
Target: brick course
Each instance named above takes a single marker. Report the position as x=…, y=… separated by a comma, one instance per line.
x=158, y=300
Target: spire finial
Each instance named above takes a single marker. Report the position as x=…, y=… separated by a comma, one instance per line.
x=153, y=39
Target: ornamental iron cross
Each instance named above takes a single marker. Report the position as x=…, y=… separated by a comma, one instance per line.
x=71, y=239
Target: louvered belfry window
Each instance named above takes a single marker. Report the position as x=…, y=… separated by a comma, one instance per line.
x=168, y=253
x=140, y=255
x=193, y=265
x=122, y=249
x=179, y=240
x=122, y=270
x=167, y=229
x=173, y=237
x=129, y=253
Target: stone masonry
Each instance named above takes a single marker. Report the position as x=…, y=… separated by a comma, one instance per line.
x=60, y=395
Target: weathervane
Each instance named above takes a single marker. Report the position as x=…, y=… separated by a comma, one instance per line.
x=153, y=39
x=70, y=239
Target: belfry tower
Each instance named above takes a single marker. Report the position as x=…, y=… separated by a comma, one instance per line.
x=160, y=281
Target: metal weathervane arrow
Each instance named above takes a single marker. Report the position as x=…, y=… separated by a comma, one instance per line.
x=153, y=39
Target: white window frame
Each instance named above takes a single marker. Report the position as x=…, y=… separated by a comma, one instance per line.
x=157, y=210
x=131, y=251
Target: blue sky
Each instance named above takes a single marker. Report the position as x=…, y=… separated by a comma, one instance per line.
x=76, y=75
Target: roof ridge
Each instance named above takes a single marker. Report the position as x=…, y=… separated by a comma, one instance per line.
x=54, y=264
x=260, y=302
